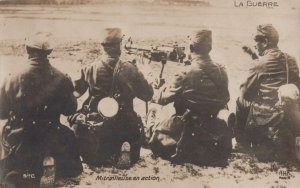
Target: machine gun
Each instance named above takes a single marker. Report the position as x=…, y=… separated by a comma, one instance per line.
x=157, y=53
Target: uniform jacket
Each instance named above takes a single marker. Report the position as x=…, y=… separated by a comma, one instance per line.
x=32, y=100
x=129, y=83
x=262, y=84
x=203, y=88
x=38, y=92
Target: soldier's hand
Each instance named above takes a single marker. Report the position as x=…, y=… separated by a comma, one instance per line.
x=251, y=52
x=80, y=119
x=158, y=83
x=155, y=83
x=162, y=81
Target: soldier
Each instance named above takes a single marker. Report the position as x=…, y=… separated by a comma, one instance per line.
x=198, y=95
x=32, y=101
x=260, y=120
x=116, y=138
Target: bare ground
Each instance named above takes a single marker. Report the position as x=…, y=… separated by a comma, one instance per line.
x=76, y=30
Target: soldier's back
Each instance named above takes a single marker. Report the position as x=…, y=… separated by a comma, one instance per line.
x=39, y=90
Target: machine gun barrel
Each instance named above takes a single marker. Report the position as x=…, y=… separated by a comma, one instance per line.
x=138, y=48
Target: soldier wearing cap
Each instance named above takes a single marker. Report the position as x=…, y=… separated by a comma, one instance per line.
x=32, y=101
x=202, y=90
x=260, y=121
x=122, y=81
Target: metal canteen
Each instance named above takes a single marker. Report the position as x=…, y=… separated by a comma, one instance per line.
x=108, y=107
x=288, y=91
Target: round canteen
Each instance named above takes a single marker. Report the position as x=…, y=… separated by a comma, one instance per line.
x=289, y=91
x=108, y=107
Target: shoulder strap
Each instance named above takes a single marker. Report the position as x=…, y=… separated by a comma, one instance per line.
x=114, y=79
x=287, y=68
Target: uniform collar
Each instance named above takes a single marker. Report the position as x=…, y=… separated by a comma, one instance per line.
x=110, y=61
x=200, y=58
x=38, y=61
x=271, y=50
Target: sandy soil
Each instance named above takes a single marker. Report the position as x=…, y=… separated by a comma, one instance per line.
x=76, y=31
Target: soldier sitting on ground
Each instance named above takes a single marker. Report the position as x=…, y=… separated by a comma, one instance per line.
x=36, y=145
x=194, y=133
x=111, y=83
x=263, y=120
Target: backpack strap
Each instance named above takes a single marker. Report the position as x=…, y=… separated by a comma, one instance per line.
x=114, y=79
x=287, y=68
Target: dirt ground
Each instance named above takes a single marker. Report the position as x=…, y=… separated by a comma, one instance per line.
x=76, y=30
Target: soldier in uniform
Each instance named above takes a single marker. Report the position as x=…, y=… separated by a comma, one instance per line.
x=198, y=95
x=260, y=120
x=32, y=101
x=118, y=79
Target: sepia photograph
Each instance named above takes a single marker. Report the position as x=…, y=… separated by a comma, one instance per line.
x=149, y=93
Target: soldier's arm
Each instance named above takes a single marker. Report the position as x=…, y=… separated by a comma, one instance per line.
x=220, y=78
x=70, y=102
x=139, y=85
x=4, y=100
x=169, y=93
x=249, y=89
x=293, y=70
x=80, y=85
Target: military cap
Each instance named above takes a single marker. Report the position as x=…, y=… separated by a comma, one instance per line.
x=202, y=41
x=40, y=40
x=268, y=31
x=111, y=36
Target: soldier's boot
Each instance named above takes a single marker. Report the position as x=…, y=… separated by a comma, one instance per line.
x=11, y=179
x=48, y=178
x=124, y=160
x=241, y=147
x=178, y=157
x=243, y=144
x=150, y=123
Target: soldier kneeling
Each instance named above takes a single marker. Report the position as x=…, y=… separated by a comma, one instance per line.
x=37, y=147
x=107, y=127
x=194, y=133
x=267, y=111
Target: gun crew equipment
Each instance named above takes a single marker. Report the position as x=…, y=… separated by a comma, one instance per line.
x=157, y=53
x=162, y=81
x=179, y=148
